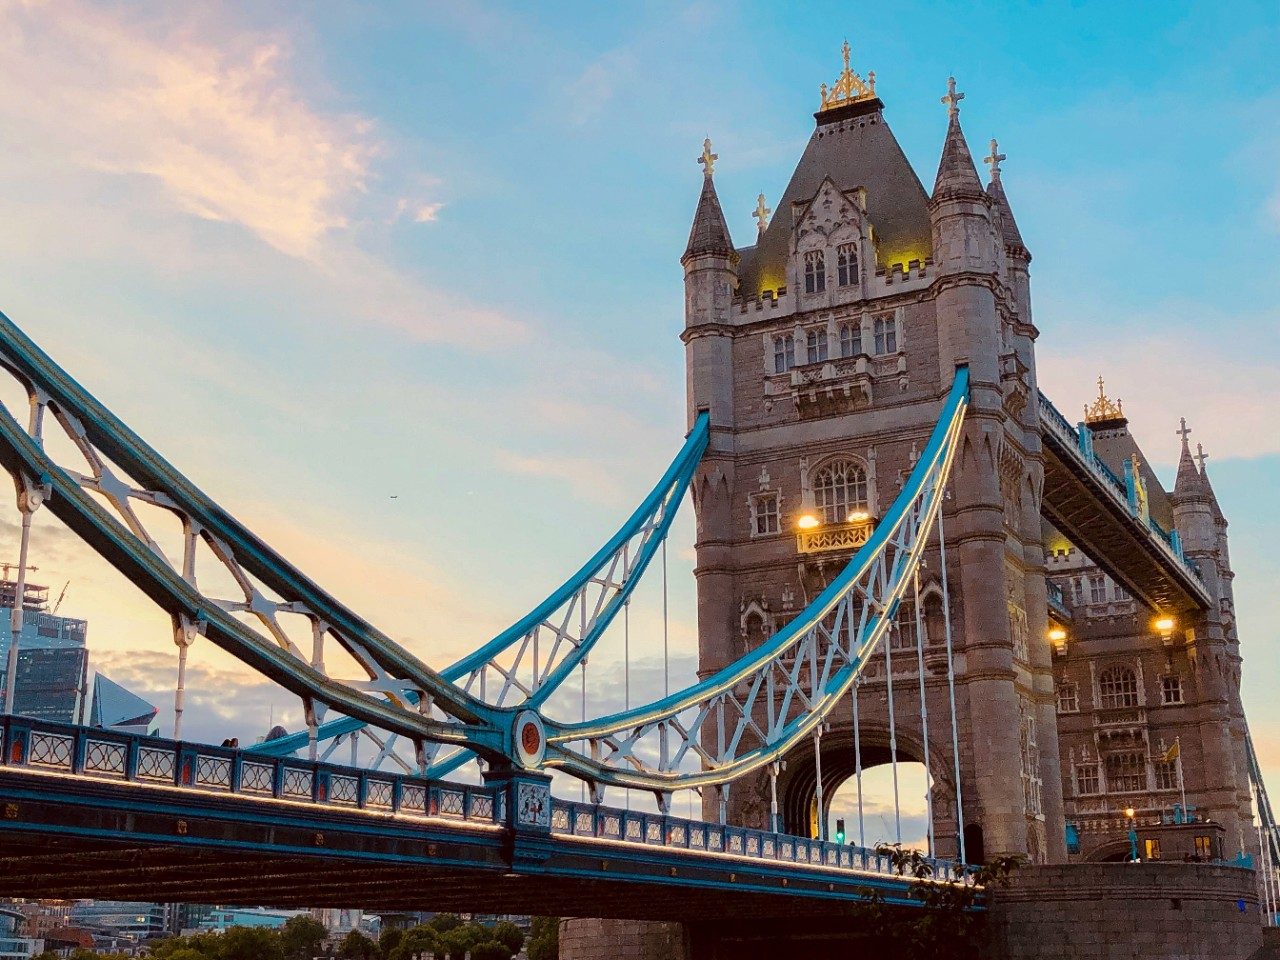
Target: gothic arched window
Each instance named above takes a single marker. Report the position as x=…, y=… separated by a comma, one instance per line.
x=1118, y=687
x=847, y=264
x=850, y=338
x=840, y=491
x=815, y=271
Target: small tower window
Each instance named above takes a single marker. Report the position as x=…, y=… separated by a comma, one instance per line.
x=886, y=333
x=816, y=345
x=1068, y=697
x=784, y=353
x=840, y=491
x=903, y=635
x=1118, y=687
x=1097, y=589
x=1166, y=772
x=764, y=514
x=850, y=339
x=847, y=264
x=815, y=271
x=1086, y=779
x=1171, y=688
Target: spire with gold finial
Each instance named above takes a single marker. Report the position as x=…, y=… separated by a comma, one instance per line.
x=849, y=87
x=1104, y=413
x=709, y=234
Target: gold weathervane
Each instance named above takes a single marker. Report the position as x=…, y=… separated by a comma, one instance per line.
x=1102, y=409
x=850, y=88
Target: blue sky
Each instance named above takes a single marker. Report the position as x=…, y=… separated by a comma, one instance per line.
x=323, y=254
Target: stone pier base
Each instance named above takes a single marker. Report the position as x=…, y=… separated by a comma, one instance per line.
x=1092, y=911
x=1108, y=911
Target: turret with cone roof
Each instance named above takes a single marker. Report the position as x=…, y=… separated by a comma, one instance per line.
x=710, y=281
x=966, y=262
x=709, y=235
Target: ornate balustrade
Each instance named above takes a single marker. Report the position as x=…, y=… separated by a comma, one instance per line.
x=81, y=751
x=657, y=830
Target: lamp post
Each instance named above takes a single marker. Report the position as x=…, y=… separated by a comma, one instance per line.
x=1130, y=814
x=1164, y=625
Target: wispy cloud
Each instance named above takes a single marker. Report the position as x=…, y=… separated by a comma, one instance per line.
x=218, y=126
x=150, y=121
x=588, y=478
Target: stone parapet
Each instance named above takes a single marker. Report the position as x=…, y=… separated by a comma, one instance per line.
x=1101, y=911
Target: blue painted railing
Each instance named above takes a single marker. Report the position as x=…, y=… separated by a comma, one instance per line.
x=105, y=755
x=133, y=758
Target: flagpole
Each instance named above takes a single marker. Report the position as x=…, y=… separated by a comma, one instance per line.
x=1182, y=787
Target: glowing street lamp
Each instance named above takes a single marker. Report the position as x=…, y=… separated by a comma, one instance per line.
x=807, y=521
x=1058, y=637
x=858, y=516
x=1164, y=625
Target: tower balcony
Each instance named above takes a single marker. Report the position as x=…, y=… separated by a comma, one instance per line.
x=830, y=537
x=833, y=386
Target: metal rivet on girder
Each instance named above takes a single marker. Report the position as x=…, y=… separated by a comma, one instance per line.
x=319, y=839
x=784, y=881
x=673, y=871
x=733, y=878
x=181, y=827
x=604, y=865
x=11, y=811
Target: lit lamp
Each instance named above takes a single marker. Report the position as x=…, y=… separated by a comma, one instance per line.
x=1058, y=637
x=807, y=521
x=1129, y=813
x=1164, y=626
x=858, y=516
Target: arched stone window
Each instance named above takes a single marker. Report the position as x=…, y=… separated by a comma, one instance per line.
x=1117, y=687
x=850, y=338
x=815, y=271
x=840, y=490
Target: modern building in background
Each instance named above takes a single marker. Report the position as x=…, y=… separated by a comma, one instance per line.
x=53, y=662
x=14, y=945
x=119, y=925
x=116, y=708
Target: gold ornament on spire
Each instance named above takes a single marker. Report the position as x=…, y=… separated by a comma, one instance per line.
x=708, y=159
x=849, y=88
x=1103, y=409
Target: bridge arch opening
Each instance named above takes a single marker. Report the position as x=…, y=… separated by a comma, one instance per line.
x=798, y=811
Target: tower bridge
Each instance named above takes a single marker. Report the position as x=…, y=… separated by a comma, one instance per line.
x=905, y=552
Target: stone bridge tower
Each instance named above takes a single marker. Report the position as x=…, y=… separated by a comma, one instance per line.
x=822, y=352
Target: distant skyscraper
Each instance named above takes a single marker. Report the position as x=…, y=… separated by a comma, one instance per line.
x=119, y=709
x=53, y=663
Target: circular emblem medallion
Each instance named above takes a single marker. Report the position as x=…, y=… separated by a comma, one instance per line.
x=530, y=739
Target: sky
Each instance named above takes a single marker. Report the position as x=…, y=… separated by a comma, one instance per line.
x=399, y=283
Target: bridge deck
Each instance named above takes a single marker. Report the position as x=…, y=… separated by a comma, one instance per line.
x=1084, y=500
x=65, y=833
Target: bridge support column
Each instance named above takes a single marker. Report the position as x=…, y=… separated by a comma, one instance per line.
x=584, y=939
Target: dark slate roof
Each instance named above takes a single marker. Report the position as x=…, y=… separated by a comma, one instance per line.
x=854, y=149
x=1116, y=446
x=709, y=234
x=957, y=176
x=1008, y=226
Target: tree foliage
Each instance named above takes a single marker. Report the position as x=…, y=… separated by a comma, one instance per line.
x=356, y=946
x=544, y=939
x=301, y=937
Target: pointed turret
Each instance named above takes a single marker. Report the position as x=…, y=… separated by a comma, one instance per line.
x=957, y=176
x=1009, y=231
x=709, y=235
x=965, y=247
x=1201, y=457
x=1188, y=482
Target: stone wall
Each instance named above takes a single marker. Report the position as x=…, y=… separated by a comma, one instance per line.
x=1108, y=911
x=588, y=939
